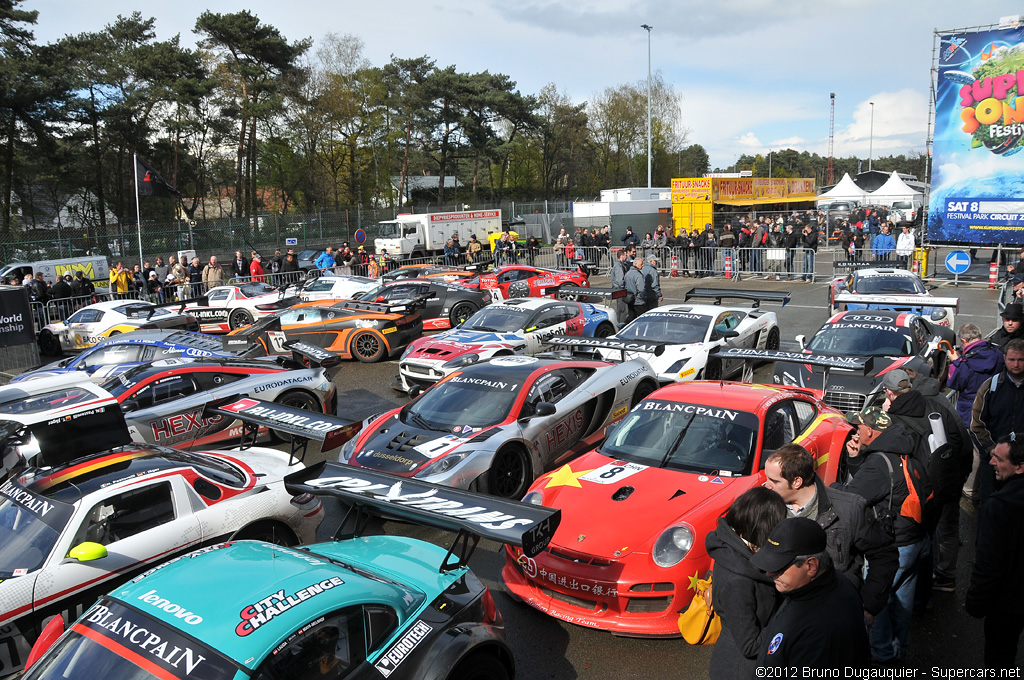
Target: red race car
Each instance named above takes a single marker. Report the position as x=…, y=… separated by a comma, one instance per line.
x=520, y=280
x=659, y=483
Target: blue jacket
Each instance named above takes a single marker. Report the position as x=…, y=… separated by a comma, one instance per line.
x=883, y=244
x=325, y=261
x=980, y=362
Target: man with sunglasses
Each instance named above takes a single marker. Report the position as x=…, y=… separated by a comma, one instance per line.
x=999, y=554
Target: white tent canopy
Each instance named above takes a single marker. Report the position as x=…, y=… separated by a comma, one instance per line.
x=894, y=189
x=845, y=190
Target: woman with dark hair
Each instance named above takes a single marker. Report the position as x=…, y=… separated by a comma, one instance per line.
x=742, y=594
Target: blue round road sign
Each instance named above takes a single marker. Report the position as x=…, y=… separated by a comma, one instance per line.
x=360, y=236
x=958, y=262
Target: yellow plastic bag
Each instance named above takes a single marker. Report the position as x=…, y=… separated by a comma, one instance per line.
x=699, y=624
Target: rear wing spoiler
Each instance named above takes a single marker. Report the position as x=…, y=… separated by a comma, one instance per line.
x=755, y=296
x=68, y=437
x=849, y=265
x=302, y=426
x=522, y=525
x=282, y=303
x=861, y=365
x=913, y=301
x=146, y=311
x=573, y=342
x=311, y=356
x=584, y=293
x=386, y=307
x=303, y=355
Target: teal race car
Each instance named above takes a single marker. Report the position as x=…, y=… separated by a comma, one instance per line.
x=358, y=607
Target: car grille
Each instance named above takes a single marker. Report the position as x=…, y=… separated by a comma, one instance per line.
x=589, y=605
x=845, y=401
x=414, y=368
x=651, y=587
x=579, y=558
x=647, y=605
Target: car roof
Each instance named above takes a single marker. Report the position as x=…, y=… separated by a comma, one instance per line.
x=107, y=305
x=886, y=272
x=238, y=576
x=166, y=337
x=878, y=317
x=709, y=310
x=143, y=371
x=525, y=303
x=733, y=395
x=517, y=369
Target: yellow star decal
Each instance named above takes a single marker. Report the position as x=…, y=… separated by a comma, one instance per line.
x=564, y=476
x=694, y=581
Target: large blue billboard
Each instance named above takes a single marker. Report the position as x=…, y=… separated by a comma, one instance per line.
x=977, y=181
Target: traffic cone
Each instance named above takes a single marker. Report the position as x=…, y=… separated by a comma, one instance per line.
x=728, y=266
x=675, y=266
x=993, y=275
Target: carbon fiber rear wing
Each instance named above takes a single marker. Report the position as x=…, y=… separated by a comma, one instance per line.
x=146, y=311
x=387, y=307
x=861, y=365
x=574, y=342
x=471, y=515
x=755, y=296
x=585, y=293
x=849, y=265
x=913, y=301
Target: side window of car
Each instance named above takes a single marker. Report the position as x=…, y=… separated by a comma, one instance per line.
x=779, y=427
x=86, y=316
x=179, y=386
x=329, y=649
x=127, y=514
x=218, y=296
x=380, y=622
x=805, y=413
x=549, y=317
x=115, y=354
x=920, y=332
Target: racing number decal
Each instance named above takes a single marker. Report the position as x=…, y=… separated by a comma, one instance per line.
x=613, y=472
x=440, y=446
x=277, y=340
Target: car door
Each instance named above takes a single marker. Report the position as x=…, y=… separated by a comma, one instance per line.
x=331, y=646
x=546, y=322
x=168, y=411
x=729, y=320
x=555, y=436
x=139, y=526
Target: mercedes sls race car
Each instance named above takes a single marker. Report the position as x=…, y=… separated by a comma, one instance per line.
x=518, y=326
x=93, y=323
x=367, y=331
x=358, y=608
x=446, y=304
x=73, y=530
x=233, y=306
x=115, y=355
x=636, y=510
x=331, y=287
x=898, y=290
x=520, y=280
x=889, y=338
x=689, y=333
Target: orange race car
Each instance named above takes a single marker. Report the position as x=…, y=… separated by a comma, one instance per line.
x=367, y=331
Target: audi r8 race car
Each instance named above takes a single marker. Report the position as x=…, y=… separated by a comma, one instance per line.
x=517, y=326
x=520, y=280
x=446, y=304
x=233, y=306
x=636, y=510
x=889, y=338
x=95, y=322
x=114, y=355
x=357, y=608
x=688, y=333
x=71, y=531
x=367, y=331
x=868, y=287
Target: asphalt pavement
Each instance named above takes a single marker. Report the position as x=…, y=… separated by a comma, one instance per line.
x=942, y=637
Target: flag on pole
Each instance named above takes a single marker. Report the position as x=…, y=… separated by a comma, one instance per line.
x=150, y=183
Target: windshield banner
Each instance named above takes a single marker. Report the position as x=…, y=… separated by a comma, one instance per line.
x=54, y=513
x=978, y=173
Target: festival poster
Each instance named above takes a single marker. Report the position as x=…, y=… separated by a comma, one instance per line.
x=977, y=180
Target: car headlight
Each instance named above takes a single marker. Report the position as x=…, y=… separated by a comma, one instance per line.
x=534, y=498
x=678, y=366
x=347, y=449
x=407, y=352
x=443, y=464
x=938, y=314
x=464, y=360
x=673, y=545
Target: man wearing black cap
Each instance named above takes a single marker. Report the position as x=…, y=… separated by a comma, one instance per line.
x=998, y=411
x=1013, y=315
x=818, y=624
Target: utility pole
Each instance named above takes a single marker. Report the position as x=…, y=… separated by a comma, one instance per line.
x=648, y=29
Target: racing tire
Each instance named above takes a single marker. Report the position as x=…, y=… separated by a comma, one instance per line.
x=300, y=400
x=239, y=318
x=268, y=532
x=565, y=287
x=49, y=344
x=480, y=666
x=367, y=346
x=460, y=312
x=509, y=476
x=604, y=330
x=772, y=343
x=713, y=370
x=642, y=391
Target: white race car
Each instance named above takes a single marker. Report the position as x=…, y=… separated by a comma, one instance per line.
x=235, y=305
x=330, y=286
x=689, y=333
x=868, y=286
x=72, y=531
x=95, y=322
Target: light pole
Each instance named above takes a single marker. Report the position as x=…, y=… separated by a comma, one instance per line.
x=769, y=163
x=871, y=139
x=648, y=29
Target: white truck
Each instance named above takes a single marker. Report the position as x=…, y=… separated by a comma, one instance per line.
x=95, y=268
x=413, y=236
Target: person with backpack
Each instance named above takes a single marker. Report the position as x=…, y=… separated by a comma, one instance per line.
x=893, y=482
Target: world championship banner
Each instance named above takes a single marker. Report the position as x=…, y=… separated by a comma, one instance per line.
x=977, y=183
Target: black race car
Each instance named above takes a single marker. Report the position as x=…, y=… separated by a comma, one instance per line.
x=890, y=338
x=447, y=304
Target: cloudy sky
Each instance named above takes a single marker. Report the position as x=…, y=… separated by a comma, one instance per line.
x=754, y=75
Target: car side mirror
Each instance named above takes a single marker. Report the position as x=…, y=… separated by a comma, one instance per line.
x=128, y=406
x=81, y=367
x=802, y=341
x=545, y=408
x=730, y=334
x=87, y=552
x=53, y=629
x=415, y=391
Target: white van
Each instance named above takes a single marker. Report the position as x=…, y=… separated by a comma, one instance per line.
x=905, y=211
x=93, y=268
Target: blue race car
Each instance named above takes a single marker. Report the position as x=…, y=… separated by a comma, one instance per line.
x=359, y=607
x=117, y=354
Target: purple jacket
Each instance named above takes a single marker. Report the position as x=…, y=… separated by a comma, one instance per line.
x=979, y=362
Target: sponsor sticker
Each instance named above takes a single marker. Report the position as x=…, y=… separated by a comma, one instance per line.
x=262, y=611
x=391, y=659
x=613, y=473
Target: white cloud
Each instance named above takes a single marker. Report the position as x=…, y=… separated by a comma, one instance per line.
x=749, y=140
x=899, y=124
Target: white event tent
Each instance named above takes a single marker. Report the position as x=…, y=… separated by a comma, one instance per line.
x=845, y=190
x=894, y=189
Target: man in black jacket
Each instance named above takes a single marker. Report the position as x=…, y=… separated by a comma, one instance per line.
x=853, y=536
x=998, y=411
x=994, y=593
x=1013, y=326
x=819, y=623
x=809, y=242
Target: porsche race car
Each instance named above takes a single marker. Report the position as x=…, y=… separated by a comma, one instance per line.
x=520, y=280
x=870, y=287
x=91, y=324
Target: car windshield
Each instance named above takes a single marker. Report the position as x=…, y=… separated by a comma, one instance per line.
x=16, y=401
x=680, y=328
x=389, y=229
x=862, y=340
x=686, y=437
x=308, y=254
x=462, y=401
x=29, y=527
x=903, y=285
x=322, y=284
x=104, y=644
x=256, y=289
x=499, y=319
x=902, y=205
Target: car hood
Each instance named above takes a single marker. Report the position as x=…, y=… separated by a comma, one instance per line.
x=402, y=448
x=448, y=345
x=804, y=375
x=270, y=464
x=660, y=498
